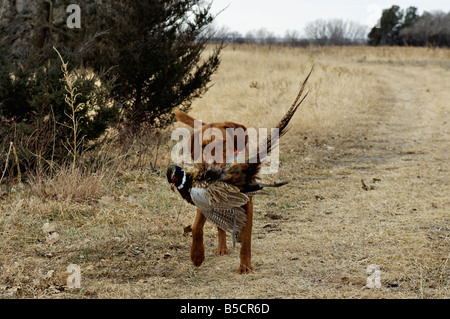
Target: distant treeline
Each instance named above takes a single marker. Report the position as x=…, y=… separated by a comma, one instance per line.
x=318, y=32
x=406, y=27
x=395, y=27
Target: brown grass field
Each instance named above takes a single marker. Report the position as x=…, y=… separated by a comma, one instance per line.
x=367, y=157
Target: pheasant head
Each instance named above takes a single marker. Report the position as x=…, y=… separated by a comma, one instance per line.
x=178, y=178
x=175, y=176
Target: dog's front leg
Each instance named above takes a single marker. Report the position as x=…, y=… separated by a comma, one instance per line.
x=246, y=240
x=198, y=249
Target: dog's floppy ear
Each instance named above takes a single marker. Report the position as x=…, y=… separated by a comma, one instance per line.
x=184, y=118
x=236, y=126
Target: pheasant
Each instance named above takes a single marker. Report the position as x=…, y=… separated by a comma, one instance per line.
x=220, y=192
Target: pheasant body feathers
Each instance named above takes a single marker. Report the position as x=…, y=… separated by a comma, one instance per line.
x=220, y=192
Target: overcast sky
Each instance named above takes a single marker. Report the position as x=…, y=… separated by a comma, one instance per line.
x=278, y=16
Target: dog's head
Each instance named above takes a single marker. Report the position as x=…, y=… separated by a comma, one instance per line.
x=207, y=139
x=213, y=138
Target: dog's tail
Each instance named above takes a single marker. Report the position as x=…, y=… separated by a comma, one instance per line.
x=184, y=118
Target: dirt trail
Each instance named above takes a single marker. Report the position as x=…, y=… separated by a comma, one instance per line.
x=414, y=120
x=390, y=188
x=410, y=128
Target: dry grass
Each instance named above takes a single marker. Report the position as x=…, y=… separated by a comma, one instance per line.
x=377, y=115
x=68, y=184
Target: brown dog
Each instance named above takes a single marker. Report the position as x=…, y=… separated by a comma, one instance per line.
x=197, y=249
x=245, y=236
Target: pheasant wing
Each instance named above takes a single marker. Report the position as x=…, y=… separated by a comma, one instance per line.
x=222, y=195
x=221, y=204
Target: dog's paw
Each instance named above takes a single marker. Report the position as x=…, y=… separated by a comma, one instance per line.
x=243, y=269
x=197, y=257
x=222, y=251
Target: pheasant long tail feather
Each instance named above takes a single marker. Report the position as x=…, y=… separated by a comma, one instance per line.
x=274, y=184
x=282, y=126
x=258, y=189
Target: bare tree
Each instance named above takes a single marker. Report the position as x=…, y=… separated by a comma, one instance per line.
x=263, y=36
x=432, y=28
x=292, y=37
x=317, y=30
x=356, y=32
x=250, y=37
x=335, y=31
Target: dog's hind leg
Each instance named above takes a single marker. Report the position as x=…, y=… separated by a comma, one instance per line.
x=222, y=249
